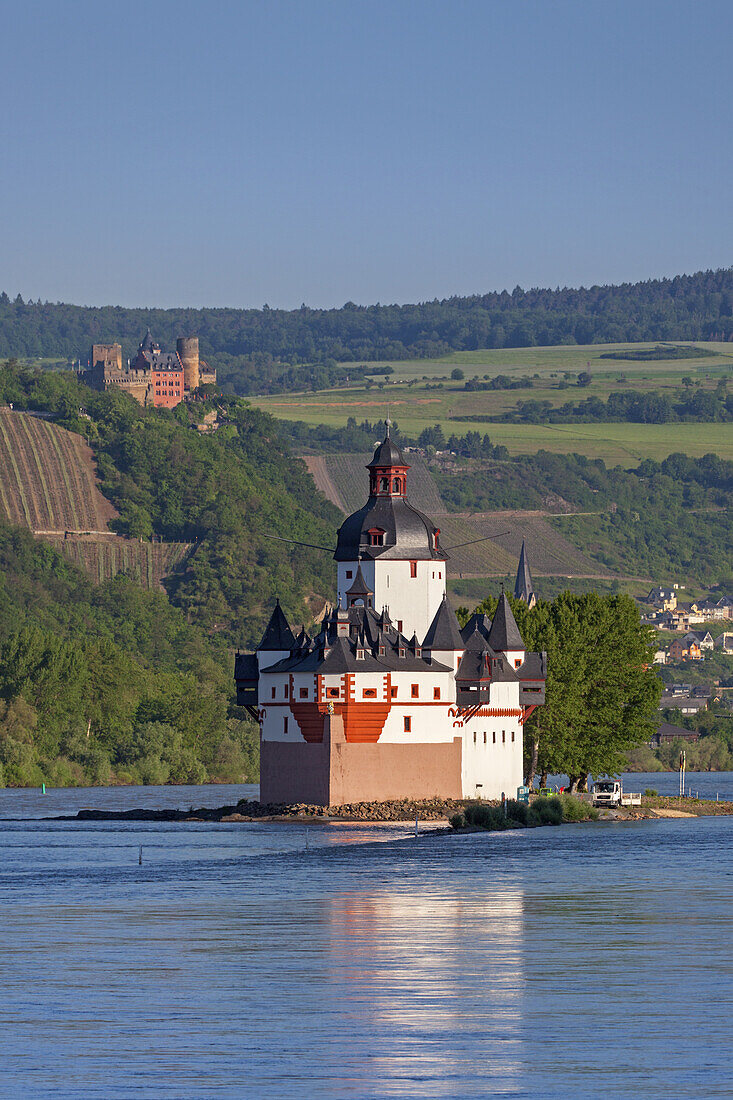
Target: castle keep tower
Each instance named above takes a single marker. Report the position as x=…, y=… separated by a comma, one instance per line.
x=394, y=545
x=188, y=352
x=390, y=699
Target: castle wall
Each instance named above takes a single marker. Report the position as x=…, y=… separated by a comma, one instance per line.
x=492, y=763
x=106, y=355
x=334, y=772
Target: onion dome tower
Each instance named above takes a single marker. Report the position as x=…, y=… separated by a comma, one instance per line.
x=394, y=546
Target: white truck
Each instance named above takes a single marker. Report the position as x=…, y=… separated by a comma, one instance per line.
x=610, y=792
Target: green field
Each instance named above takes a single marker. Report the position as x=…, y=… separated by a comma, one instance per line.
x=573, y=358
x=421, y=404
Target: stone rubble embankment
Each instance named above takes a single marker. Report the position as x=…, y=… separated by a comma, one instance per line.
x=437, y=809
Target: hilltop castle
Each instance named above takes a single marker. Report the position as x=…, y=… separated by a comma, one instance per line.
x=391, y=699
x=153, y=377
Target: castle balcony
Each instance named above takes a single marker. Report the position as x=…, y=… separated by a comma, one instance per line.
x=472, y=693
x=532, y=694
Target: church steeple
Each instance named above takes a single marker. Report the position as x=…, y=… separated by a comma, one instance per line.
x=524, y=589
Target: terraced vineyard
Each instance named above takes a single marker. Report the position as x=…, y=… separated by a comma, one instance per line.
x=144, y=562
x=47, y=477
x=48, y=483
x=343, y=480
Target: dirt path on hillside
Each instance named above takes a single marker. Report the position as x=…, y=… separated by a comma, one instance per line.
x=319, y=472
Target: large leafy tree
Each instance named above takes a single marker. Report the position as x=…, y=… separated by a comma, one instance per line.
x=602, y=693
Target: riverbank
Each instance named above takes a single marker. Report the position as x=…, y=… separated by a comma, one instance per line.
x=432, y=810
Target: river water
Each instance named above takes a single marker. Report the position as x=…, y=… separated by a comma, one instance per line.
x=253, y=960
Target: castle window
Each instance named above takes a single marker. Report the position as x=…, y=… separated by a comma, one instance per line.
x=414, y=691
x=384, y=484
x=285, y=725
x=517, y=662
x=396, y=486
x=382, y=651
x=484, y=736
x=503, y=737
x=493, y=737
x=332, y=693
x=402, y=652
x=369, y=693
x=413, y=568
x=399, y=625
x=512, y=735
x=376, y=537
x=285, y=691
x=349, y=574
x=393, y=692
x=436, y=693
x=408, y=724
x=273, y=692
x=304, y=693
x=360, y=654
x=474, y=737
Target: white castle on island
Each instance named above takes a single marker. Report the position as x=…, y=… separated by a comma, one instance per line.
x=391, y=699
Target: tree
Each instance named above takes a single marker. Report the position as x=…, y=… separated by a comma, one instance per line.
x=601, y=691
x=585, y=378
x=457, y=374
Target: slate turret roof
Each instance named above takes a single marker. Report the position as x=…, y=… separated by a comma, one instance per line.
x=278, y=634
x=481, y=623
x=384, y=650
x=504, y=633
x=360, y=586
x=444, y=631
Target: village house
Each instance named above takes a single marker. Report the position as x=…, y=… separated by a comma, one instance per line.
x=667, y=732
x=687, y=704
x=693, y=645
x=663, y=599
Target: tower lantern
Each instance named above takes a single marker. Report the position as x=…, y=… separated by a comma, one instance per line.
x=388, y=469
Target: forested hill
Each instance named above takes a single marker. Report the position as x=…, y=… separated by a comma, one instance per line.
x=224, y=492
x=248, y=345
x=109, y=682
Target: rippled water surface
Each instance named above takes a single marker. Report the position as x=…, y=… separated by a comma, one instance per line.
x=255, y=960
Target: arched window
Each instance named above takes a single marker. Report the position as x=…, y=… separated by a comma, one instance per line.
x=396, y=485
x=384, y=485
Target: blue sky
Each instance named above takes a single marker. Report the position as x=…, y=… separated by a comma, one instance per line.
x=241, y=153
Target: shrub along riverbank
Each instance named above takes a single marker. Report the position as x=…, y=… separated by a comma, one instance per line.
x=519, y=815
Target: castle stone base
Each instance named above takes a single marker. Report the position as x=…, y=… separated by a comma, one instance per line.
x=335, y=772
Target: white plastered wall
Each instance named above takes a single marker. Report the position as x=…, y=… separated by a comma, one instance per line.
x=413, y=601
x=492, y=757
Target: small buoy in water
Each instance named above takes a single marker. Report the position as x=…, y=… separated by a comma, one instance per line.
x=43, y=788
x=140, y=857
x=417, y=828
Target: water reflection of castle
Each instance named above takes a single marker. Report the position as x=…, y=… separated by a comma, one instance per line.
x=415, y=970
